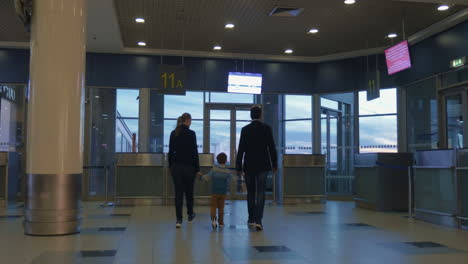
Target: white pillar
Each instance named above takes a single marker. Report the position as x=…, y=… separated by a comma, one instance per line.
x=55, y=117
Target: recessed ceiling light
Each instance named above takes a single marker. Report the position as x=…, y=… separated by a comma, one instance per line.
x=313, y=31
x=392, y=35
x=139, y=20
x=349, y=2
x=229, y=26
x=142, y=43
x=443, y=7
x=217, y=47
x=288, y=51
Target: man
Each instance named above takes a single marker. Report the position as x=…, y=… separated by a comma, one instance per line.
x=256, y=157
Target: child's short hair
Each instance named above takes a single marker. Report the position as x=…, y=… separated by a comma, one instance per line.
x=221, y=158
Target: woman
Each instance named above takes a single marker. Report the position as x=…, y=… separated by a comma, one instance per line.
x=184, y=165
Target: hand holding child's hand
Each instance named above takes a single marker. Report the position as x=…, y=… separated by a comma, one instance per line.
x=199, y=175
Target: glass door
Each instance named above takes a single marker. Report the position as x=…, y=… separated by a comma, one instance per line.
x=454, y=120
x=220, y=133
x=223, y=125
x=336, y=145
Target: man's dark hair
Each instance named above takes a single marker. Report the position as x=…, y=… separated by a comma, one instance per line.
x=255, y=112
x=221, y=158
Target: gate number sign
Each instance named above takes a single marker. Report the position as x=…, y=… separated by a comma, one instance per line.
x=172, y=79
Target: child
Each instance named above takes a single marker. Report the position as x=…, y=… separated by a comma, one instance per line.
x=220, y=177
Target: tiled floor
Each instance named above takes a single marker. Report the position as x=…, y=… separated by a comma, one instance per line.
x=293, y=234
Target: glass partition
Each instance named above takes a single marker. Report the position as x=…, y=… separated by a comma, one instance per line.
x=454, y=117
x=298, y=124
x=421, y=115
x=105, y=134
x=378, y=122
x=127, y=119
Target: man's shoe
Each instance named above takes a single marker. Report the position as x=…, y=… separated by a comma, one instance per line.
x=191, y=218
x=178, y=224
x=259, y=227
x=251, y=223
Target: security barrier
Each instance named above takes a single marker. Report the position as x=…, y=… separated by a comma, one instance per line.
x=3, y=179
x=381, y=180
x=303, y=179
x=140, y=178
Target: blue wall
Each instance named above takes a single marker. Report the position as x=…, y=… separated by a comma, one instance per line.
x=429, y=57
x=14, y=66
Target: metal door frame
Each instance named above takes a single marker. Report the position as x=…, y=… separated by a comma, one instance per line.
x=342, y=142
x=443, y=126
x=233, y=108
x=332, y=113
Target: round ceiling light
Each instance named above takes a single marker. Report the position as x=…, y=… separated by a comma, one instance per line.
x=229, y=26
x=142, y=43
x=217, y=47
x=288, y=51
x=313, y=31
x=140, y=20
x=392, y=35
x=349, y=2
x=443, y=7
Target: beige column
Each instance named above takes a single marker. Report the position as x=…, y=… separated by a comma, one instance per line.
x=55, y=118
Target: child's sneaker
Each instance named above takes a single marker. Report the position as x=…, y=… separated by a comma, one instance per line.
x=214, y=224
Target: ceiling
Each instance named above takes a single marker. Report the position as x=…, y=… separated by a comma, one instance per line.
x=198, y=25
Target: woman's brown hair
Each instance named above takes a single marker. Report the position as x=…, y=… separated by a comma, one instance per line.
x=180, y=121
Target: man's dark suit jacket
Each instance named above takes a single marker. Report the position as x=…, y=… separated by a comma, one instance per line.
x=257, y=151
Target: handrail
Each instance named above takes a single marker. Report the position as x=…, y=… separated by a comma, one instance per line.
x=434, y=212
x=95, y=167
x=433, y=167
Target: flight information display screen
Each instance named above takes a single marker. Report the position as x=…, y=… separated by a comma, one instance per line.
x=398, y=58
x=248, y=83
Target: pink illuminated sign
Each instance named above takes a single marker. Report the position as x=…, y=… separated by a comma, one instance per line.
x=398, y=58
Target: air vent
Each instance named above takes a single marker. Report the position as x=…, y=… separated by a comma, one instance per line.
x=286, y=11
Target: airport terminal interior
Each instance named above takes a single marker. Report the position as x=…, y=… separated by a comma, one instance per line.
x=366, y=101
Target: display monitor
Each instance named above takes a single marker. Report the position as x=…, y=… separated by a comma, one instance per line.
x=248, y=83
x=398, y=58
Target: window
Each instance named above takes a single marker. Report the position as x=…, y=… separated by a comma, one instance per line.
x=127, y=119
x=421, y=115
x=298, y=124
x=231, y=98
x=175, y=106
x=378, y=122
x=327, y=103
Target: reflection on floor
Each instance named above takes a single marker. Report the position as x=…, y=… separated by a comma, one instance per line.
x=332, y=233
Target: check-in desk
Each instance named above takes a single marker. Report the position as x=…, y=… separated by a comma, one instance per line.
x=8, y=177
x=140, y=178
x=462, y=187
x=202, y=191
x=435, y=186
x=381, y=181
x=3, y=179
x=303, y=179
